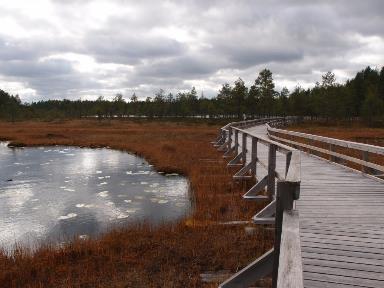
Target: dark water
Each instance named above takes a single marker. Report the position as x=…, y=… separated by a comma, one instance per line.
x=57, y=193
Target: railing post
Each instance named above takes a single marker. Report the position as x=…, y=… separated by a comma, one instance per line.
x=365, y=158
x=254, y=157
x=237, y=141
x=244, y=148
x=288, y=158
x=285, y=195
x=312, y=143
x=271, y=171
x=332, y=149
x=230, y=132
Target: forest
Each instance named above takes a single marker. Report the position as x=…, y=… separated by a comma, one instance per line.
x=361, y=97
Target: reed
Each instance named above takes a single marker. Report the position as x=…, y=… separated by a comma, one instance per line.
x=142, y=255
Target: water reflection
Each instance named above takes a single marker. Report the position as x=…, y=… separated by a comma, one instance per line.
x=56, y=193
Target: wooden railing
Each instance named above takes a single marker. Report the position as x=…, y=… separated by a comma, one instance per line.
x=280, y=210
x=224, y=131
x=331, y=145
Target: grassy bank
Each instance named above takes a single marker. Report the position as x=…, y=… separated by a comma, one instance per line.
x=172, y=255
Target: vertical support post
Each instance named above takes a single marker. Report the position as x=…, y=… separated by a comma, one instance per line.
x=230, y=132
x=312, y=143
x=254, y=156
x=237, y=142
x=287, y=162
x=365, y=158
x=271, y=171
x=244, y=148
x=285, y=195
x=332, y=149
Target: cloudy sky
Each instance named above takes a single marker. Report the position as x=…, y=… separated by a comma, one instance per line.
x=83, y=48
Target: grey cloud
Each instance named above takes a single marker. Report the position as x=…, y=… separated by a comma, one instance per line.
x=15, y=51
x=244, y=57
x=183, y=67
x=128, y=49
x=219, y=41
x=35, y=69
x=61, y=86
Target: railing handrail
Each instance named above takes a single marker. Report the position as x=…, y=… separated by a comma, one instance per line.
x=343, y=143
x=290, y=272
x=364, y=148
x=284, y=148
x=250, y=122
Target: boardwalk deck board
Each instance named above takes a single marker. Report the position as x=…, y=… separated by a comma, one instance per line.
x=341, y=222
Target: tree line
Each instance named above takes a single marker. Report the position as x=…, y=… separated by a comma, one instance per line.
x=361, y=96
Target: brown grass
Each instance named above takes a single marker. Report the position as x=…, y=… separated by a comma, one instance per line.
x=139, y=255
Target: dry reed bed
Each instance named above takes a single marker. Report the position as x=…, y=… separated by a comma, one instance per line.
x=171, y=255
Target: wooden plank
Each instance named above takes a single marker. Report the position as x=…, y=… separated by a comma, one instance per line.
x=358, y=276
x=346, y=220
x=341, y=212
x=337, y=264
x=326, y=230
x=355, y=230
x=290, y=273
x=322, y=284
x=342, y=247
x=332, y=250
x=315, y=280
x=346, y=259
x=347, y=240
x=315, y=222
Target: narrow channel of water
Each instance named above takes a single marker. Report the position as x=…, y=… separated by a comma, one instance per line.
x=58, y=193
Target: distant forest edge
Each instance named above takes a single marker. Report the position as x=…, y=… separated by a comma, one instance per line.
x=361, y=96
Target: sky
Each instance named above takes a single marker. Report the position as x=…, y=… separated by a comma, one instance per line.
x=80, y=49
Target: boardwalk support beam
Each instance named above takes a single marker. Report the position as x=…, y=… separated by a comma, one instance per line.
x=237, y=161
x=254, y=192
x=267, y=215
x=247, y=276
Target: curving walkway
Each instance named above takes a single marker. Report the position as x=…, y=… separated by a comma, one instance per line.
x=341, y=222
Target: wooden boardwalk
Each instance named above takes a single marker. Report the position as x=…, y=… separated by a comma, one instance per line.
x=341, y=222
